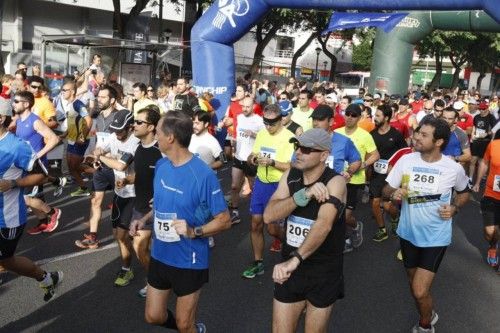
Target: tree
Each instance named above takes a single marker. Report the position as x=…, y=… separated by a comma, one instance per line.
x=484, y=55
x=433, y=45
x=362, y=53
x=459, y=43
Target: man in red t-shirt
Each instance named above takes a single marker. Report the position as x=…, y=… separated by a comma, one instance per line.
x=465, y=120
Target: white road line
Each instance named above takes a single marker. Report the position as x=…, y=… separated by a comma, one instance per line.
x=76, y=254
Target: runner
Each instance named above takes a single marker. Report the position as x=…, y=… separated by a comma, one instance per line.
x=302, y=113
x=369, y=155
x=424, y=181
x=286, y=120
x=271, y=153
x=481, y=136
x=189, y=206
x=249, y=124
x=203, y=144
x=490, y=203
x=388, y=140
x=312, y=198
x=18, y=158
x=146, y=156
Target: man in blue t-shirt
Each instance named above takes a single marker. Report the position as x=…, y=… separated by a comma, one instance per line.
x=18, y=157
x=189, y=206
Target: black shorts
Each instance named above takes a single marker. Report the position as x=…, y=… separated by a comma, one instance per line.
x=478, y=147
x=183, y=281
x=103, y=180
x=227, y=143
x=490, y=209
x=428, y=258
x=377, y=184
x=9, y=237
x=352, y=195
x=319, y=291
x=121, y=213
x=248, y=170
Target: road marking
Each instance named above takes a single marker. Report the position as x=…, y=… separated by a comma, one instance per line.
x=78, y=254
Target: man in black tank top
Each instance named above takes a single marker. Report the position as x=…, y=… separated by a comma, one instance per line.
x=311, y=197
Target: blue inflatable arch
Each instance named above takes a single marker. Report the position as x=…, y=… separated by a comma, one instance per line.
x=226, y=21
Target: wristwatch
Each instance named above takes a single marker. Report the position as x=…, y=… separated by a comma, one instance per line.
x=297, y=255
x=198, y=232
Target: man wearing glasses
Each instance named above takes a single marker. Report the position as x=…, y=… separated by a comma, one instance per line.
x=43, y=107
x=271, y=153
x=368, y=152
x=311, y=197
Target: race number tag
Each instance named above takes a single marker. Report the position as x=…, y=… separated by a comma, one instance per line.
x=496, y=183
x=424, y=180
x=329, y=161
x=268, y=152
x=163, y=227
x=381, y=166
x=297, y=230
x=102, y=137
x=480, y=132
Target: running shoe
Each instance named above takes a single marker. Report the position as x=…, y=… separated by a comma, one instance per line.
x=434, y=318
x=380, y=235
x=394, y=226
x=348, y=246
x=235, y=217
x=143, y=292
x=124, y=277
x=357, y=235
x=49, y=290
x=200, y=328
x=59, y=188
x=492, y=257
x=211, y=242
x=276, y=245
x=80, y=192
x=38, y=229
x=88, y=242
x=418, y=329
x=53, y=221
x=257, y=268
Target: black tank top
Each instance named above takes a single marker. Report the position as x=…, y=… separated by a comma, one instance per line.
x=328, y=258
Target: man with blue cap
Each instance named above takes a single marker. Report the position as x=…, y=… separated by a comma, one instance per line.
x=286, y=108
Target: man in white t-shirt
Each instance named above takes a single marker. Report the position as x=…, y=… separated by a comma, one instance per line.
x=248, y=125
x=203, y=144
x=424, y=181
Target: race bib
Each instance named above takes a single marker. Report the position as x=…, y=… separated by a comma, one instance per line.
x=297, y=230
x=381, y=166
x=496, y=183
x=268, y=152
x=480, y=132
x=329, y=162
x=163, y=227
x=242, y=135
x=424, y=180
x=101, y=137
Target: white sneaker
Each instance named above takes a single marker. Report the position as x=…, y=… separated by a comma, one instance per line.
x=143, y=292
x=211, y=242
x=357, y=235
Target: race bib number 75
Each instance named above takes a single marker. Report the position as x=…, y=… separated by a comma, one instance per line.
x=163, y=227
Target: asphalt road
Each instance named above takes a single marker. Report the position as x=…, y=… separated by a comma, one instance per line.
x=466, y=291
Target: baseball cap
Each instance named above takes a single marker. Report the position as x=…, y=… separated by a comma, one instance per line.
x=122, y=119
x=321, y=112
x=5, y=107
x=483, y=106
x=354, y=109
x=358, y=101
x=395, y=97
x=472, y=101
x=377, y=96
x=316, y=138
x=458, y=105
x=286, y=107
x=404, y=101
x=332, y=97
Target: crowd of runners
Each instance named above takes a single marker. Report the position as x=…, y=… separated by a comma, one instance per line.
x=302, y=153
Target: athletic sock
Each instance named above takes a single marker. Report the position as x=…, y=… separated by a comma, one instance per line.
x=43, y=277
x=125, y=269
x=170, y=323
x=47, y=280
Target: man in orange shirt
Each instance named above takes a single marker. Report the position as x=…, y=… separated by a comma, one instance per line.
x=366, y=121
x=43, y=107
x=490, y=203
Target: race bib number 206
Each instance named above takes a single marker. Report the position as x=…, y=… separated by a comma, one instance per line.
x=297, y=230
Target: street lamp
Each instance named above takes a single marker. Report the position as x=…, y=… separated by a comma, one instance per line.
x=324, y=64
x=167, y=33
x=318, y=51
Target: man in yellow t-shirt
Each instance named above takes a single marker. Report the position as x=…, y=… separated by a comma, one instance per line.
x=140, y=97
x=271, y=153
x=302, y=113
x=43, y=107
x=369, y=154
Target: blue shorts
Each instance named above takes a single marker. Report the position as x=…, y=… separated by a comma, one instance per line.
x=78, y=150
x=261, y=194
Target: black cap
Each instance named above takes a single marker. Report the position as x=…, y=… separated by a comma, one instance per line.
x=121, y=120
x=395, y=96
x=404, y=101
x=353, y=108
x=322, y=112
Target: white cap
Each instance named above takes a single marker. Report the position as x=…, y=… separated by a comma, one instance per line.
x=472, y=101
x=458, y=105
x=377, y=96
x=332, y=98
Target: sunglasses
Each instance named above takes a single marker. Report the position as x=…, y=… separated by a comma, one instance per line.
x=35, y=87
x=65, y=90
x=368, y=100
x=305, y=150
x=150, y=90
x=271, y=122
x=352, y=115
x=140, y=122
